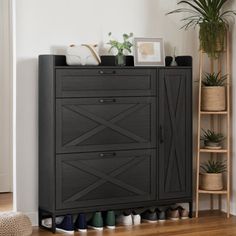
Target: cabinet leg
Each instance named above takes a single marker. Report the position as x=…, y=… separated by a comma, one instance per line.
x=53, y=224
x=190, y=210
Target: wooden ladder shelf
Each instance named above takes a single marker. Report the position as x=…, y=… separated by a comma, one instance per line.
x=222, y=64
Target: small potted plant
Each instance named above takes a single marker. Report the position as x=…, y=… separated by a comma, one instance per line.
x=213, y=92
x=213, y=19
x=212, y=176
x=211, y=139
x=121, y=47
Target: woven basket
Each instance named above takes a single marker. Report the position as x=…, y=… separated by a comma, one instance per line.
x=213, y=99
x=14, y=224
x=211, y=182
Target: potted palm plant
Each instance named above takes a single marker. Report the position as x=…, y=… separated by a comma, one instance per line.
x=121, y=47
x=212, y=140
x=212, y=19
x=212, y=176
x=213, y=92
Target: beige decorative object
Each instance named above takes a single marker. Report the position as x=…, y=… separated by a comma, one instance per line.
x=14, y=224
x=211, y=182
x=213, y=98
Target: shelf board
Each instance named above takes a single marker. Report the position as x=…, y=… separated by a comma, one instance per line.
x=213, y=192
x=213, y=112
x=213, y=151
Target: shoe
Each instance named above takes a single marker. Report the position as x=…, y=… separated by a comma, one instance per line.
x=136, y=218
x=47, y=222
x=66, y=226
x=173, y=214
x=149, y=216
x=184, y=214
x=80, y=223
x=96, y=222
x=161, y=215
x=125, y=220
x=110, y=220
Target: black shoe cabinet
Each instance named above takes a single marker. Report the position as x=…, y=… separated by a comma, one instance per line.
x=113, y=137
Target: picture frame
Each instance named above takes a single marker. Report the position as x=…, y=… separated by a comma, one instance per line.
x=149, y=52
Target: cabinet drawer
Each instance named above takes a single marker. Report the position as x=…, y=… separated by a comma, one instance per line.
x=94, y=124
x=105, y=82
x=93, y=179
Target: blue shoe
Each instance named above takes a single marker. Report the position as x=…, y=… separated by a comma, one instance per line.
x=66, y=225
x=80, y=223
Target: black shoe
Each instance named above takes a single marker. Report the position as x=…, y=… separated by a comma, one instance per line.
x=149, y=217
x=161, y=215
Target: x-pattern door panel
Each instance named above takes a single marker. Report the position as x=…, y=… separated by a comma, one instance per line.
x=90, y=179
x=105, y=124
x=175, y=106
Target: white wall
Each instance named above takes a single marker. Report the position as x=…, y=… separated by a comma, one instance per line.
x=43, y=26
x=5, y=107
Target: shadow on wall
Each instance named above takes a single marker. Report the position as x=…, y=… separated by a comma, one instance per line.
x=27, y=134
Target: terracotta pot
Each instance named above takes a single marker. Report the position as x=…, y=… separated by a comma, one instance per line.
x=211, y=181
x=213, y=98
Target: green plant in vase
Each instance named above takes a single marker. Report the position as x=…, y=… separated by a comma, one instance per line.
x=212, y=166
x=212, y=19
x=213, y=92
x=212, y=140
x=121, y=47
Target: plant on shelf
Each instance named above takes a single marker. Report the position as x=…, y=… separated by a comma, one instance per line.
x=212, y=175
x=213, y=92
x=121, y=47
x=212, y=140
x=212, y=19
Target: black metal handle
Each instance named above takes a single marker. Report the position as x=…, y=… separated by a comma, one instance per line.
x=107, y=100
x=161, y=135
x=107, y=154
x=107, y=72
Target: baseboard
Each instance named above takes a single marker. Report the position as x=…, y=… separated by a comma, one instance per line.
x=33, y=217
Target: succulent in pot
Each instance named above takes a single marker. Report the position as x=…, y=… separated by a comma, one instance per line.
x=213, y=92
x=212, y=175
x=212, y=140
x=213, y=20
x=121, y=47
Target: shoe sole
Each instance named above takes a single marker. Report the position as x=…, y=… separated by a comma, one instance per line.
x=110, y=227
x=149, y=221
x=65, y=231
x=81, y=230
x=96, y=228
x=184, y=218
x=174, y=219
x=162, y=220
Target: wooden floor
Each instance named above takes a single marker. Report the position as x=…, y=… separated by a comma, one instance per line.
x=6, y=202
x=208, y=224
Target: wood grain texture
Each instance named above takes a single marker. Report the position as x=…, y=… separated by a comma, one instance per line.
x=210, y=223
x=6, y=202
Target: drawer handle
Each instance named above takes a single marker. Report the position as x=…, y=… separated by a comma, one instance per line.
x=102, y=72
x=108, y=154
x=107, y=100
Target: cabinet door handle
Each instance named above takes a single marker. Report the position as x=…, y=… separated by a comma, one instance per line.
x=161, y=135
x=102, y=72
x=107, y=154
x=107, y=100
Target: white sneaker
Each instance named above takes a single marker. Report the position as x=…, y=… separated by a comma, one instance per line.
x=47, y=222
x=136, y=219
x=124, y=220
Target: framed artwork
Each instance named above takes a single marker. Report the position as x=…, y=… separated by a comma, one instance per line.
x=149, y=52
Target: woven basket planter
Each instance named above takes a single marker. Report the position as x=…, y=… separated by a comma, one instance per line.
x=211, y=181
x=213, y=99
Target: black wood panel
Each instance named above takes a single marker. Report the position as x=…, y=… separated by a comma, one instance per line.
x=46, y=133
x=93, y=124
x=175, y=133
x=105, y=82
x=104, y=178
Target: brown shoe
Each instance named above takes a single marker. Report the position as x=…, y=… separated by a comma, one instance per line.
x=173, y=214
x=184, y=214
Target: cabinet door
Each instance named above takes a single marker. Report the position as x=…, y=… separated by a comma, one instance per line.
x=105, y=178
x=94, y=124
x=175, y=133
